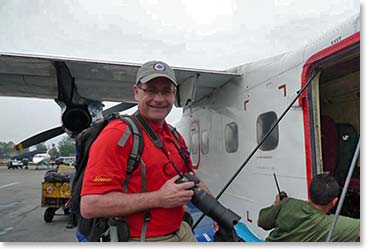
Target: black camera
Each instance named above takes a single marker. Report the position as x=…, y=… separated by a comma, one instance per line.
x=209, y=205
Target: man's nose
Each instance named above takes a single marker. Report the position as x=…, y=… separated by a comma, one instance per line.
x=159, y=96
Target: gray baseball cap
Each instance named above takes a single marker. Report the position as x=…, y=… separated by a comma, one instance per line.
x=154, y=69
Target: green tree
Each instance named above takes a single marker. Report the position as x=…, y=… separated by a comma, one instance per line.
x=53, y=152
x=41, y=147
x=5, y=149
x=67, y=146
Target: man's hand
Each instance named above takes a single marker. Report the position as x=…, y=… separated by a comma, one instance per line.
x=277, y=199
x=280, y=197
x=215, y=226
x=172, y=194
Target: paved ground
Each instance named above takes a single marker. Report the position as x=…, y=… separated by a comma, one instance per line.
x=21, y=212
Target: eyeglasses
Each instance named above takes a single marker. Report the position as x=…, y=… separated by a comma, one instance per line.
x=153, y=91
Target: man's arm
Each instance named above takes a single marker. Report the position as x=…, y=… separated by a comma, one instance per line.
x=347, y=229
x=268, y=216
x=117, y=203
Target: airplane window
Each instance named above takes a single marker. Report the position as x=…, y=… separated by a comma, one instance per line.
x=194, y=145
x=231, y=137
x=204, y=142
x=264, y=123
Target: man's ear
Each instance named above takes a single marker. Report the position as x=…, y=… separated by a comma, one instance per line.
x=174, y=90
x=135, y=90
x=334, y=201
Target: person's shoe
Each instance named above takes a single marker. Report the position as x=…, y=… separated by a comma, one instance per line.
x=70, y=225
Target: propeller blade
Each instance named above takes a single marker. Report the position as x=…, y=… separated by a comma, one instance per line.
x=117, y=108
x=39, y=138
x=46, y=135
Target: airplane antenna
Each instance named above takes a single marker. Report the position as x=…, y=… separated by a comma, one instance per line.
x=276, y=182
x=282, y=194
x=315, y=72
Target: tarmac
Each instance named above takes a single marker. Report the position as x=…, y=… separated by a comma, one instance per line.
x=21, y=212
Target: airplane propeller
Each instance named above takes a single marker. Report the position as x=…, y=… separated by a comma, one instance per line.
x=74, y=120
x=117, y=108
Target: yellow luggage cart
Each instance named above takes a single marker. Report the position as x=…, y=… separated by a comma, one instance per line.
x=55, y=195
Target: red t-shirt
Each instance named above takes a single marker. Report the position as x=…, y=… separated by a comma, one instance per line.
x=106, y=172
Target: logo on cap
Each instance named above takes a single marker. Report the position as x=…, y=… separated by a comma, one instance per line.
x=159, y=67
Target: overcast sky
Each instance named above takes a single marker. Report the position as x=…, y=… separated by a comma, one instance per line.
x=206, y=34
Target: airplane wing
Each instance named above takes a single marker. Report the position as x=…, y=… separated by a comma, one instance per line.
x=23, y=75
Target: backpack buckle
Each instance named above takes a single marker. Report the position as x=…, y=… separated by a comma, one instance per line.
x=135, y=157
x=147, y=216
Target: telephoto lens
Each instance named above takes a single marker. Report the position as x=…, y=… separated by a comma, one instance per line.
x=209, y=205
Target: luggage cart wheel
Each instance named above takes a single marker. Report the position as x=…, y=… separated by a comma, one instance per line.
x=49, y=214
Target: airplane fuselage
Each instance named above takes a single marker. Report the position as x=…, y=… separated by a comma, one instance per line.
x=41, y=158
x=223, y=129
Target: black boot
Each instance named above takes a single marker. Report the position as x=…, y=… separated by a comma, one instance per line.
x=72, y=221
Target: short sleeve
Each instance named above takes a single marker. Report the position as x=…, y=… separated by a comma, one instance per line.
x=106, y=167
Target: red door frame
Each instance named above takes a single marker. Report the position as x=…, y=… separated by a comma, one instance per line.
x=307, y=70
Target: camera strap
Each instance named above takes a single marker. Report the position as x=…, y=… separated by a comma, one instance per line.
x=159, y=144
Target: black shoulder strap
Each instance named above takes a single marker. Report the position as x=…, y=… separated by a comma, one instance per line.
x=158, y=142
x=182, y=149
x=151, y=133
x=175, y=133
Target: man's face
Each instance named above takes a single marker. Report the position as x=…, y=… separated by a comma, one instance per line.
x=155, y=98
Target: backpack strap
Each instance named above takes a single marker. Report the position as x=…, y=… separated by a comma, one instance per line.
x=134, y=160
x=146, y=212
x=137, y=146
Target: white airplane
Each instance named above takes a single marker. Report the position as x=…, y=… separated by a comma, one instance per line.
x=41, y=158
x=226, y=115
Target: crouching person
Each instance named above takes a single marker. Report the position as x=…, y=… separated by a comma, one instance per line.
x=300, y=221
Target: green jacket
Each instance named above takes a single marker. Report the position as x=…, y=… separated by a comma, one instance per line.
x=297, y=221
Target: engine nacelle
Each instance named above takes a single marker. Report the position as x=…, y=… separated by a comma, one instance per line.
x=76, y=118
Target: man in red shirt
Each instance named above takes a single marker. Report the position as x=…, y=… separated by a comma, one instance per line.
x=102, y=192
